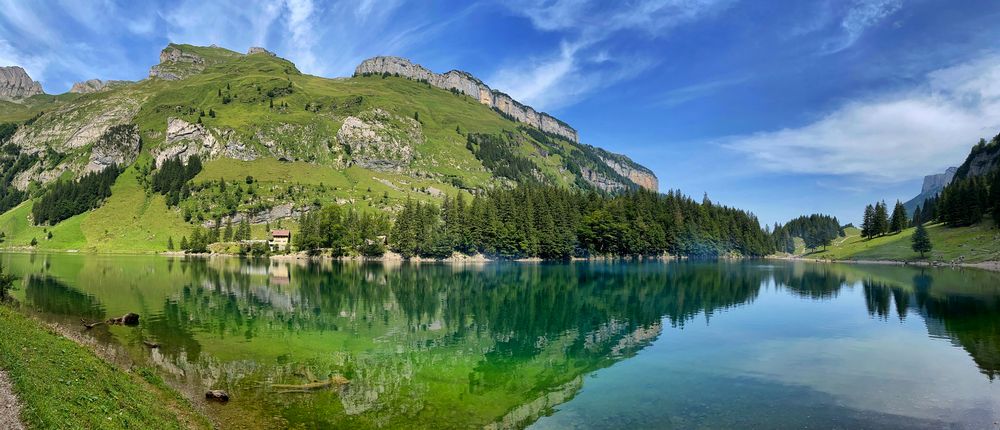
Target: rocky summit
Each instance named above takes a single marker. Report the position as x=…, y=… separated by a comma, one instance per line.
x=16, y=84
x=465, y=83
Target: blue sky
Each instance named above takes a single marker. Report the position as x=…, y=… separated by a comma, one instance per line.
x=779, y=107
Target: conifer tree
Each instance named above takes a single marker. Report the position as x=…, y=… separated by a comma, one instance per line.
x=921, y=241
x=868, y=222
x=881, y=219
x=898, y=221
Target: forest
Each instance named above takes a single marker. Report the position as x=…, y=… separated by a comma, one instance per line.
x=67, y=198
x=815, y=230
x=540, y=221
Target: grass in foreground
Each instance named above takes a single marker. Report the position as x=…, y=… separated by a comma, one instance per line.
x=973, y=244
x=64, y=385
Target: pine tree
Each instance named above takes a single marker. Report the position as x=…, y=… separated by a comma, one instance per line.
x=170, y=243
x=921, y=241
x=898, y=221
x=881, y=219
x=868, y=222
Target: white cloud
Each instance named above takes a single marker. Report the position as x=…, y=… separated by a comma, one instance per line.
x=892, y=138
x=303, y=36
x=582, y=64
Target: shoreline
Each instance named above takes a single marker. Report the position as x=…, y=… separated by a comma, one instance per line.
x=983, y=265
x=458, y=258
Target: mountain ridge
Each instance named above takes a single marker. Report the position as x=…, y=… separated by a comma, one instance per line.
x=370, y=142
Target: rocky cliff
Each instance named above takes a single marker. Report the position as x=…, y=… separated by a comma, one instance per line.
x=469, y=85
x=16, y=84
x=939, y=181
x=933, y=184
x=983, y=159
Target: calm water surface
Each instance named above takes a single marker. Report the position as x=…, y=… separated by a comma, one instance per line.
x=549, y=346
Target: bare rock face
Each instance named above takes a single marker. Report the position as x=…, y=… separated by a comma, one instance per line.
x=939, y=181
x=469, y=85
x=639, y=175
x=258, y=50
x=185, y=139
x=379, y=140
x=16, y=84
x=118, y=146
x=94, y=85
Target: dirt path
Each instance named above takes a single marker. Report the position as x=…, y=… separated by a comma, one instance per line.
x=10, y=407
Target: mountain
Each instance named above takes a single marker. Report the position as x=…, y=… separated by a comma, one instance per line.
x=372, y=141
x=16, y=84
x=933, y=184
x=983, y=159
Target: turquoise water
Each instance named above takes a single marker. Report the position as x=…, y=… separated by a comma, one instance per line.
x=575, y=345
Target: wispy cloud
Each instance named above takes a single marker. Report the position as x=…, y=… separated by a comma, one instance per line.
x=681, y=95
x=891, y=138
x=581, y=64
x=858, y=17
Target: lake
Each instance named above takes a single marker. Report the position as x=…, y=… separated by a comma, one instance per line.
x=754, y=344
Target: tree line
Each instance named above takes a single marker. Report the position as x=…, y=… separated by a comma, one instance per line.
x=67, y=198
x=877, y=221
x=171, y=178
x=815, y=230
x=548, y=222
x=968, y=198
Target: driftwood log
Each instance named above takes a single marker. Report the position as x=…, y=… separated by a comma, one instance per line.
x=218, y=395
x=128, y=319
x=334, y=381
x=150, y=344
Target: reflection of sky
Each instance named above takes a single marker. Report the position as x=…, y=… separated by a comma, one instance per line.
x=783, y=358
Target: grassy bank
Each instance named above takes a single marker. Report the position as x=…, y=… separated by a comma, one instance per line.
x=973, y=244
x=64, y=385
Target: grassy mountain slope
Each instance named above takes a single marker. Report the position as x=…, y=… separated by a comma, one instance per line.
x=257, y=116
x=951, y=245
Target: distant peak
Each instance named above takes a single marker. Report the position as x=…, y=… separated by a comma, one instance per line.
x=16, y=84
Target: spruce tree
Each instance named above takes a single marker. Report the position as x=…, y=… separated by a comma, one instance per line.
x=881, y=219
x=921, y=241
x=898, y=221
x=868, y=222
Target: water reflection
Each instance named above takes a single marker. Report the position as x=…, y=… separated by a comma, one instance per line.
x=495, y=345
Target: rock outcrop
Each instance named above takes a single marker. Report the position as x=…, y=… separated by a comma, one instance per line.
x=118, y=146
x=258, y=50
x=16, y=84
x=469, y=85
x=95, y=85
x=170, y=58
x=640, y=175
x=185, y=139
x=379, y=140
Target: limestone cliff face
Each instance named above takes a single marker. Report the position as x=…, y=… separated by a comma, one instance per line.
x=16, y=84
x=95, y=85
x=939, y=181
x=471, y=86
x=640, y=175
x=185, y=139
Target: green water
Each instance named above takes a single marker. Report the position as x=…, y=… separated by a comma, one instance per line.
x=581, y=345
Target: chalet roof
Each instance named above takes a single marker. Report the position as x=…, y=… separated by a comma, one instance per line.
x=280, y=233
